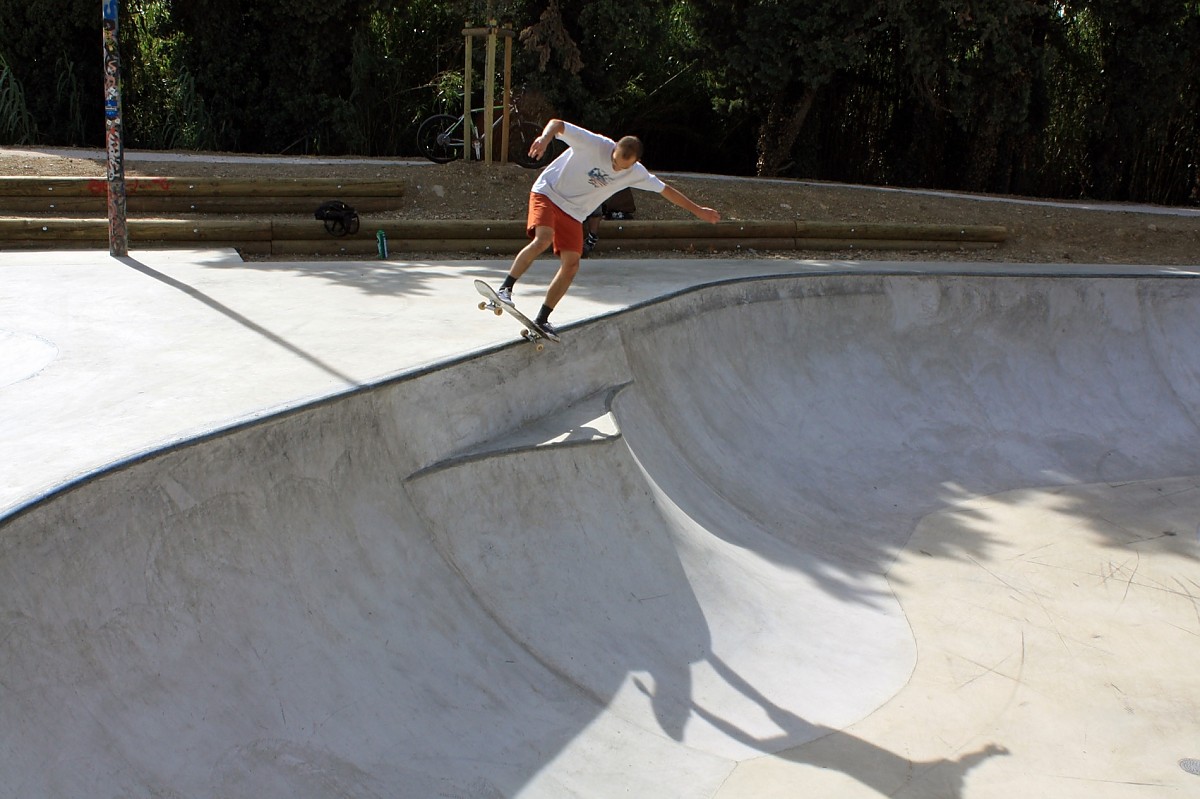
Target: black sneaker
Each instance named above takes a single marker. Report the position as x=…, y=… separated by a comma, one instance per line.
x=589, y=244
x=548, y=330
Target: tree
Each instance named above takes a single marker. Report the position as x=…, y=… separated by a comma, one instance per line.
x=1143, y=114
x=622, y=68
x=778, y=57
x=274, y=75
x=981, y=72
x=406, y=60
x=54, y=53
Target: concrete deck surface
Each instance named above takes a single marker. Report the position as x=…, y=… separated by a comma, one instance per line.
x=755, y=529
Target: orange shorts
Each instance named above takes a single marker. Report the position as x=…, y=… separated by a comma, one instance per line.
x=568, y=231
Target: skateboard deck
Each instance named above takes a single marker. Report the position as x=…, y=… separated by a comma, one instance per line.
x=493, y=303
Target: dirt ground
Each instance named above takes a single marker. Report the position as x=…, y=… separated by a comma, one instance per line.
x=1037, y=233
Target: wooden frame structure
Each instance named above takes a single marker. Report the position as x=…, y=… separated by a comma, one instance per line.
x=492, y=31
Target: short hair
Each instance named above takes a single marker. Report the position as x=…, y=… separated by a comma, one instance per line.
x=630, y=144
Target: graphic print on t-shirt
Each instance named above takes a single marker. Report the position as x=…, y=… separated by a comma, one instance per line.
x=598, y=177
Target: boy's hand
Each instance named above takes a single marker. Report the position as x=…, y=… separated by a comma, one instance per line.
x=539, y=145
x=552, y=129
x=703, y=213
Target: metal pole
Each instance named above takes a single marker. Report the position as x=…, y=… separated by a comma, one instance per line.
x=118, y=231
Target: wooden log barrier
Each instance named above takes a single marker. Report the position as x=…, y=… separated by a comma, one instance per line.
x=50, y=233
x=406, y=229
x=899, y=231
x=284, y=236
x=694, y=229
x=894, y=244
x=197, y=195
x=687, y=230
x=698, y=244
x=201, y=187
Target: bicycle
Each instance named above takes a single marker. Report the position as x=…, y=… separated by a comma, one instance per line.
x=440, y=139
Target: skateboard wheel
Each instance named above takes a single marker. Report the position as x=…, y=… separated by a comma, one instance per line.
x=499, y=312
x=539, y=346
x=482, y=306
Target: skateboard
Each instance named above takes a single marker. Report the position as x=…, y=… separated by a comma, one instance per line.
x=493, y=303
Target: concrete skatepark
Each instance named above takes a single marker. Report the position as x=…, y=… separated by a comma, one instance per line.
x=757, y=528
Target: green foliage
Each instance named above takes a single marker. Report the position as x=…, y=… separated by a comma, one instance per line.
x=1054, y=97
x=1083, y=97
x=71, y=94
x=16, y=123
x=633, y=71
x=1143, y=88
x=53, y=50
x=987, y=94
x=779, y=56
x=406, y=63
x=274, y=76
x=163, y=109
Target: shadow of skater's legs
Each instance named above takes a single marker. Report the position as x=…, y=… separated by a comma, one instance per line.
x=875, y=767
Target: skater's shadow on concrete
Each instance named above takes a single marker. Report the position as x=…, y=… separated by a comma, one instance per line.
x=873, y=766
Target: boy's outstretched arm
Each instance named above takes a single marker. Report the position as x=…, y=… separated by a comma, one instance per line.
x=700, y=212
x=539, y=145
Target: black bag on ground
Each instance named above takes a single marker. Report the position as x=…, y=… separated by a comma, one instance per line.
x=620, y=205
x=339, y=218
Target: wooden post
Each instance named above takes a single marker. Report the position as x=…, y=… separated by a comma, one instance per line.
x=491, y=31
x=468, y=144
x=504, y=128
x=489, y=91
x=118, y=231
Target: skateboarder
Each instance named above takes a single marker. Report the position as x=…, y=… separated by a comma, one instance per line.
x=590, y=170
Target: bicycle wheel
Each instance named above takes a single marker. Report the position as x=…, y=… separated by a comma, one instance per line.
x=436, y=140
x=520, y=135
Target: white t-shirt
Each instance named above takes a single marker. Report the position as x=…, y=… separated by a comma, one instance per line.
x=582, y=178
